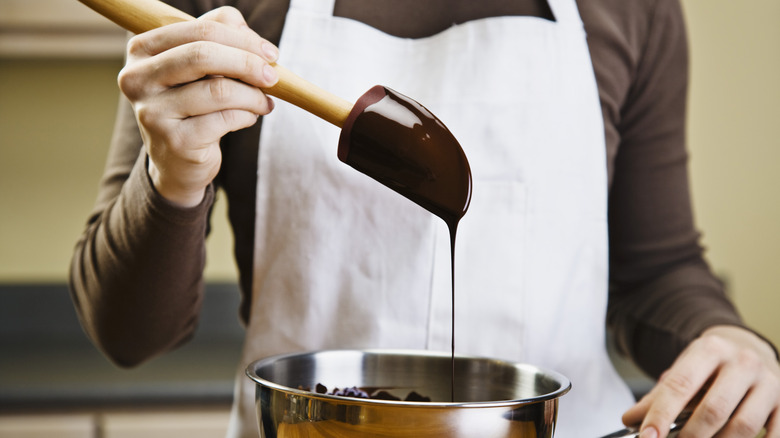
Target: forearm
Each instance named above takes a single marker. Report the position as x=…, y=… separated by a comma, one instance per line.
x=654, y=321
x=136, y=271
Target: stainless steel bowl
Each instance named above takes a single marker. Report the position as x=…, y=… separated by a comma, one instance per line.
x=493, y=398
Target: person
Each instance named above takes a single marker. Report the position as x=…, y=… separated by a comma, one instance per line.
x=572, y=116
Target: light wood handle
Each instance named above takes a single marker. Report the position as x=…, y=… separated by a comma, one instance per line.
x=139, y=16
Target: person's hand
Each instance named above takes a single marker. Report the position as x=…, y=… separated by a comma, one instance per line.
x=191, y=83
x=731, y=379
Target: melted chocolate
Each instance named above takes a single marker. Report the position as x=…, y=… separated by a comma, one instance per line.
x=401, y=144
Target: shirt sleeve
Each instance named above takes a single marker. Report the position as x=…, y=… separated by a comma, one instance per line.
x=662, y=292
x=136, y=271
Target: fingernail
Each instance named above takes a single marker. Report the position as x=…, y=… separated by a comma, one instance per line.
x=270, y=51
x=269, y=73
x=648, y=432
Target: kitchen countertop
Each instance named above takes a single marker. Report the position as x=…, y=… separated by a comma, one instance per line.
x=47, y=363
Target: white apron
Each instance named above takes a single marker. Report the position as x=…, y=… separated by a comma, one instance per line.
x=344, y=262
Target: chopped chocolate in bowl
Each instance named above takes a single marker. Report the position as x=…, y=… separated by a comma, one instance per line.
x=493, y=398
x=370, y=393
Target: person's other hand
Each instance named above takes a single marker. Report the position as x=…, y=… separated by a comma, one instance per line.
x=191, y=83
x=729, y=376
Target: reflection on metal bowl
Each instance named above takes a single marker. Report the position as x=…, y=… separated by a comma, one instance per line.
x=492, y=398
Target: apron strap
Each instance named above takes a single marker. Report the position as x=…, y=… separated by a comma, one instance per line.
x=566, y=12
x=316, y=6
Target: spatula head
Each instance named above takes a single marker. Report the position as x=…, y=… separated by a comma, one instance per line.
x=398, y=142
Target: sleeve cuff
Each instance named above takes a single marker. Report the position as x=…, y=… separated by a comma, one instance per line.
x=164, y=208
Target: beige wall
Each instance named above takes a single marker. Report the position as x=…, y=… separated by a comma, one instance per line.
x=56, y=116
x=55, y=121
x=735, y=145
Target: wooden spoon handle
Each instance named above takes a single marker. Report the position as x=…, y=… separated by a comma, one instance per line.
x=139, y=16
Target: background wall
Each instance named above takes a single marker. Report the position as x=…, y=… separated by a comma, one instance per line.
x=735, y=147
x=56, y=114
x=56, y=118
x=58, y=97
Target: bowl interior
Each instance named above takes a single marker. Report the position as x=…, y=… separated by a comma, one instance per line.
x=477, y=380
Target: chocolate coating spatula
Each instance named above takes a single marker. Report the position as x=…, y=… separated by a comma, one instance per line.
x=385, y=135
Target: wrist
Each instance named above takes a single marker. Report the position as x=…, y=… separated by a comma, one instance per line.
x=174, y=193
x=744, y=337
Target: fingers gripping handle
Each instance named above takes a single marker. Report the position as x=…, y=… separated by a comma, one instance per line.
x=139, y=16
x=633, y=432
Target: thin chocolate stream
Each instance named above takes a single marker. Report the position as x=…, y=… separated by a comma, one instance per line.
x=453, y=226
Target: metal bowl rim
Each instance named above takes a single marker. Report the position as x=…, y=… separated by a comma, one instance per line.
x=565, y=383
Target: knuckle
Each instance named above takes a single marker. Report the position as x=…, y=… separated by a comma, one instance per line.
x=748, y=360
x=250, y=63
x=200, y=53
x=126, y=81
x=132, y=82
x=237, y=119
x=206, y=30
x=679, y=384
x=743, y=426
x=715, y=410
x=227, y=13
x=149, y=120
x=229, y=118
x=714, y=344
x=220, y=89
x=145, y=114
x=136, y=46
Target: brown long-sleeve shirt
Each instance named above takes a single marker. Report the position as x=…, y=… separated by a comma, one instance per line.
x=137, y=270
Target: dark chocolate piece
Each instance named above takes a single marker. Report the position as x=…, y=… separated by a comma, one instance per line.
x=369, y=393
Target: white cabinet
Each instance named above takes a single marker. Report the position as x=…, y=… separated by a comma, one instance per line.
x=163, y=423
x=189, y=424
x=48, y=426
